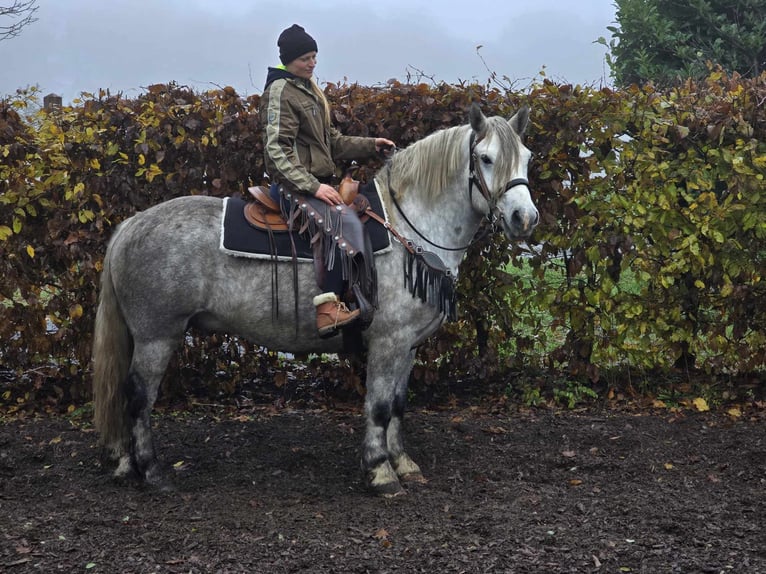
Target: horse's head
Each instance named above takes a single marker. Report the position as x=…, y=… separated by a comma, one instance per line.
x=498, y=167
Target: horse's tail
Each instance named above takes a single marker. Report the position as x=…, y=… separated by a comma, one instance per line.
x=112, y=351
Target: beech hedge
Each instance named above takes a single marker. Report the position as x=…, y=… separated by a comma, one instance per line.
x=649, y=255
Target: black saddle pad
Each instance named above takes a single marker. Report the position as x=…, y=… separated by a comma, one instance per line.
x=241, y=239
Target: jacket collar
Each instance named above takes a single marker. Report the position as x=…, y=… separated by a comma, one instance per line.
x=280, y=72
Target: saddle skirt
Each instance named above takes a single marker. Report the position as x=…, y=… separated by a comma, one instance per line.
x=263, y=213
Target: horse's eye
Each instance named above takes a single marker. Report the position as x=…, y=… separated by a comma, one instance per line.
x=486, y=159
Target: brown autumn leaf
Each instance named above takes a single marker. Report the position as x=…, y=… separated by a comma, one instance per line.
x=381, y=534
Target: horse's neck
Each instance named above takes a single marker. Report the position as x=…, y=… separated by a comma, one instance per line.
x=448, y=221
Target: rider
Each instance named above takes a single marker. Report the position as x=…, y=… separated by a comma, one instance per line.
x=301, y=147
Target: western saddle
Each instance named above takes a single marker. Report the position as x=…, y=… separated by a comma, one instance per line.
x=264, y=213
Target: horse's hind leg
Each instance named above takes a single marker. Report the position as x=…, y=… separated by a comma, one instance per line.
x=144, y=377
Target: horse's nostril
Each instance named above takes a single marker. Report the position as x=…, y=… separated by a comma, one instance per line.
x=524, y=218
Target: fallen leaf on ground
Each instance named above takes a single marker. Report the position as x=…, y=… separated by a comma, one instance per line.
x=381, y=534
x=701, y=404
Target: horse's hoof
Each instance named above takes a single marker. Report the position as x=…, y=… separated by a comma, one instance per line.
x=126, y=472
x=127, y=480
x=407, y=470
x=388, y=490
x=156, y=481
x=382, y=480
x=164, y=487
x=413, y=478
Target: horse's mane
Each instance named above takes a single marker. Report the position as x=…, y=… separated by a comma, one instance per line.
x=430, y=164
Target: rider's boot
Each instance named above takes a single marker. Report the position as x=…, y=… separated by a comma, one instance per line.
x=332, y=314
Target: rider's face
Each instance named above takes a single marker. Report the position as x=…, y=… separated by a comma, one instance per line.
x=303, y=66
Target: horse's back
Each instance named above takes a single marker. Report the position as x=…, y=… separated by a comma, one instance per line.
x=185, y=211
x=169, y=273
x=158, y=257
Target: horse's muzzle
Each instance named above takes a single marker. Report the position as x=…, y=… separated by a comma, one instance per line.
x=521, y=222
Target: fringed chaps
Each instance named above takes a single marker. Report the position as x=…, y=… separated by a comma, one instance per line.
x=335, y=232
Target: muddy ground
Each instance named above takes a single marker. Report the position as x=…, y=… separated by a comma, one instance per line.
x=275, y=490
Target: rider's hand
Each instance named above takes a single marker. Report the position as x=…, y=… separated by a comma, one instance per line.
x=328, y=194
x=384, y=145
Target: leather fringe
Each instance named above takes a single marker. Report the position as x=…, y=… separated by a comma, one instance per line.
x=426, y=277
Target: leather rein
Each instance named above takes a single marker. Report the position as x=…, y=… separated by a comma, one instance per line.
x=475, y=178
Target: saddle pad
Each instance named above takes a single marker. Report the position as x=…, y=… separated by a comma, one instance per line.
x=240, y=239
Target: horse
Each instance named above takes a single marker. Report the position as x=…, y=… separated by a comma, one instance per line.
x=164, y=272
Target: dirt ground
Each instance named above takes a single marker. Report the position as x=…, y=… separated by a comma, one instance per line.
x=277, y=490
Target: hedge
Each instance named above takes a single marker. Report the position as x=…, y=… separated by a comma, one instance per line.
x=650, y=253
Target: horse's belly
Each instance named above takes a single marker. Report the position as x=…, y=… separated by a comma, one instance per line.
x=276, y=334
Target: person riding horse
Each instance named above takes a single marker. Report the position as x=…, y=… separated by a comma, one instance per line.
x=300, y=148
x=165, y=270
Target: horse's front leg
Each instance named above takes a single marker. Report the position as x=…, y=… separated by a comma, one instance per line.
x=387, y=373
x=406, y=469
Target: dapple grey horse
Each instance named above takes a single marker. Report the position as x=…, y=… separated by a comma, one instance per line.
x=164, y=272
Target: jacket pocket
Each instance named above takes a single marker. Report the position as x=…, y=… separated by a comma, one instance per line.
x=304, y=155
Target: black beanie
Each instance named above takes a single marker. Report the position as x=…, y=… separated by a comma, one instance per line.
x=294, y=42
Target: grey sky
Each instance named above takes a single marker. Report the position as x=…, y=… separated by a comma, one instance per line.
x=125, y=45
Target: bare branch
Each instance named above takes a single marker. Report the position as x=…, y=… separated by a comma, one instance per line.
x=22, y=13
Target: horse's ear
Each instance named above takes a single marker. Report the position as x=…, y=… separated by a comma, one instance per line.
x=477, y=119
x=520, y=120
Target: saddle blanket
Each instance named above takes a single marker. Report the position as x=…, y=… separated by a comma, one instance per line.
x=240, y=239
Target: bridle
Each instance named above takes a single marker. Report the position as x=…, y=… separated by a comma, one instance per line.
x=475, y=178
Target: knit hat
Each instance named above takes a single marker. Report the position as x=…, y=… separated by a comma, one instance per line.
x=294, y=42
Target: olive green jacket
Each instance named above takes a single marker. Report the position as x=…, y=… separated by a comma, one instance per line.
x=299, y=146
